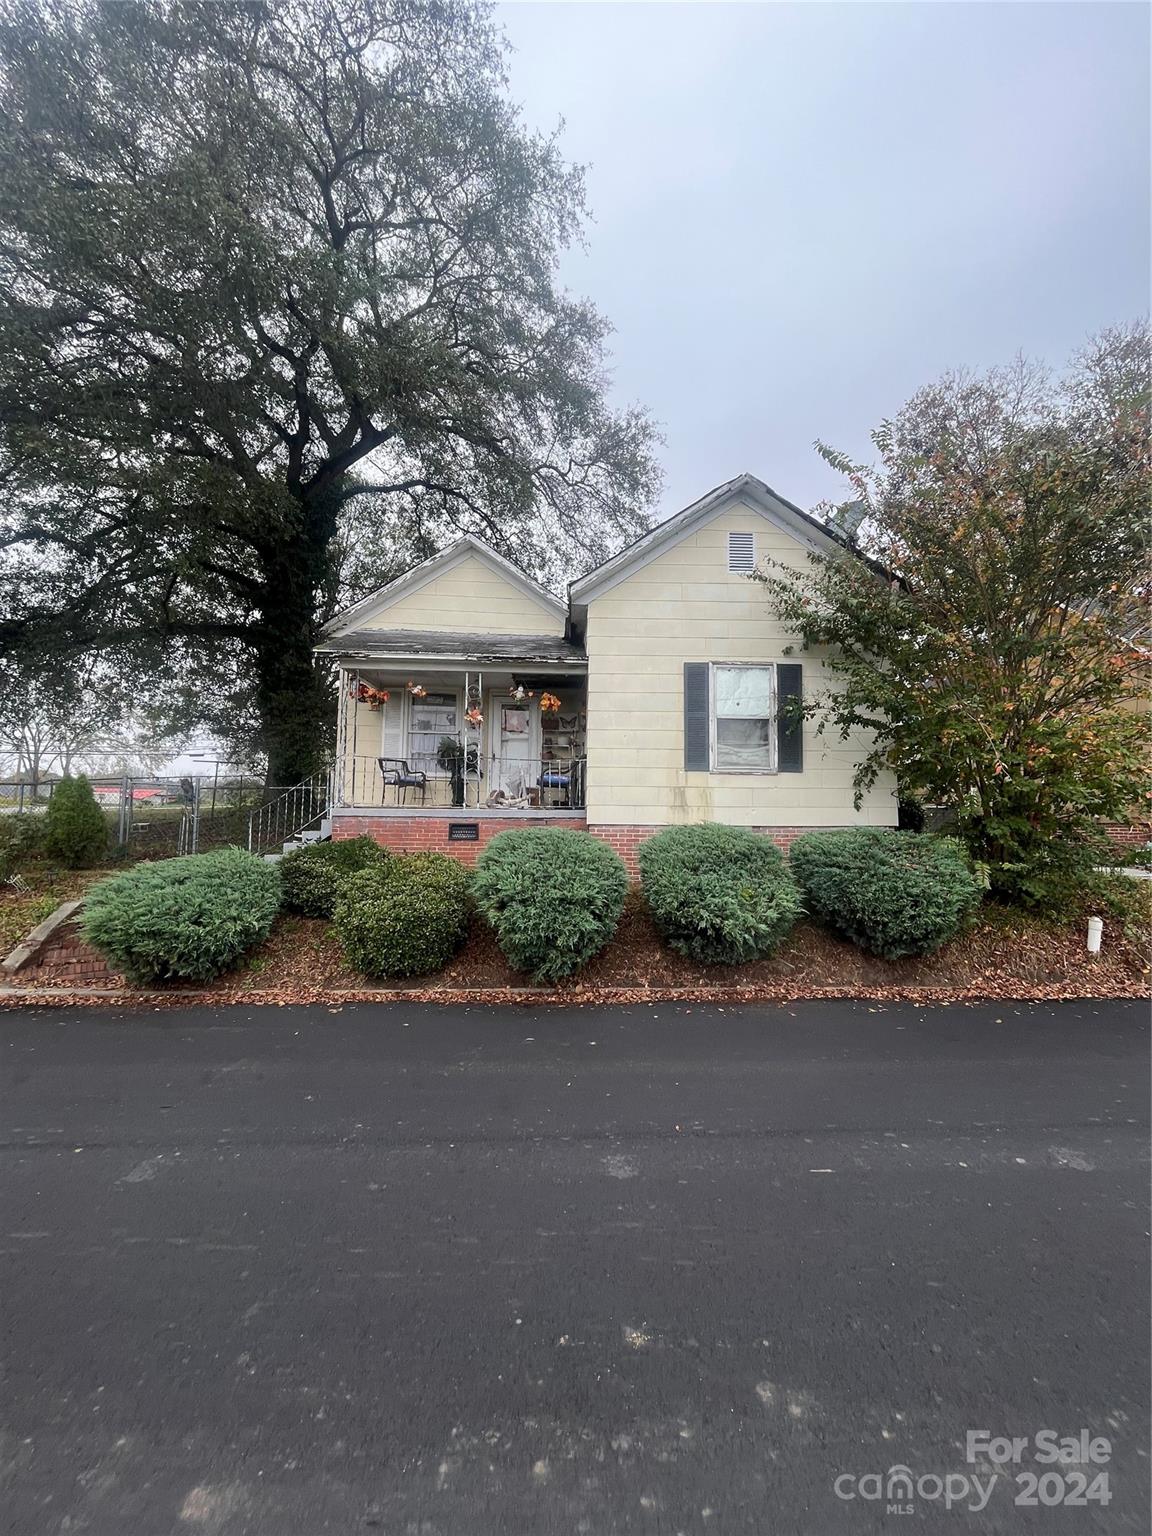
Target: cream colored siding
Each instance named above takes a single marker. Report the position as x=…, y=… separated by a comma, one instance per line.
x=685, y=605
x=469, y=597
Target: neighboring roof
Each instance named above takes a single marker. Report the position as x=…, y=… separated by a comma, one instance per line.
x=428, y=570
x=407, y=643
x=746, y=488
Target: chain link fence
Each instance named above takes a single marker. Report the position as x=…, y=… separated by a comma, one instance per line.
x=160, y=818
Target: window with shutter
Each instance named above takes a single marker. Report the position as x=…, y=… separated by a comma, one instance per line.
x=742, y=553
x=743, y=719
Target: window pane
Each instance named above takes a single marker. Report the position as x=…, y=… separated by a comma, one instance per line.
x=744, y=744
x=744, y=691
x=429, y=719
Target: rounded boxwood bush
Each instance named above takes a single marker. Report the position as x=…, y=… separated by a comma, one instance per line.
x=554, y=898
x=718, y=894
x=892, y=893
x=183, y=919
x=75, y=830
x=405, y=917
x=314, y=874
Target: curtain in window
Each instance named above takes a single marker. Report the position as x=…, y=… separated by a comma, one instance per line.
x=429, y=719
x=744, y=718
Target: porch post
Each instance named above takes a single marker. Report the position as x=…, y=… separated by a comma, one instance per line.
x=341, y=767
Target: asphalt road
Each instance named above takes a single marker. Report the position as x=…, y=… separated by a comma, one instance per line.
x=457, y=1272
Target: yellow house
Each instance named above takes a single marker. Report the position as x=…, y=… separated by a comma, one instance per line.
x=472, y=699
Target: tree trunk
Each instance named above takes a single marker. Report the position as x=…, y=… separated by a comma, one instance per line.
x=293, y=694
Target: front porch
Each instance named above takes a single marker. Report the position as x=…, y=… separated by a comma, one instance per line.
x=497, y=741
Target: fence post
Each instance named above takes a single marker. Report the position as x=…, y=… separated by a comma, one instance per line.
x=124, y=825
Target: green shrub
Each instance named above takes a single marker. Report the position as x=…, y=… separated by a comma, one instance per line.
x=75, y=831
x=1050, y=881
x=314, y=874
x=183, y=919
x=405, y=917
x=554, y=898
x=892, y=893
x=718, y=894
x=21, y=841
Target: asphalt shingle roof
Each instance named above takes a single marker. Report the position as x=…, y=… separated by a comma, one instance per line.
x=439, y=642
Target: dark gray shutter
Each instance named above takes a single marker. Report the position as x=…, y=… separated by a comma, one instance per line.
x=789, y=723
x=696, y=723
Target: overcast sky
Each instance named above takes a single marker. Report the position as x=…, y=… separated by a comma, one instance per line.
x=804, y=211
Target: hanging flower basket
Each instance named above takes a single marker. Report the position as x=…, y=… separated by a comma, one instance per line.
x=549, y=704
x=363, y=693
x=417, y=690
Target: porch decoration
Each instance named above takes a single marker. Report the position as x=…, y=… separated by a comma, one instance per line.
x=474, y=716
x=364, y=693
x=459, y=759
x=417, y=690
x=549, y=704
x=520, y=693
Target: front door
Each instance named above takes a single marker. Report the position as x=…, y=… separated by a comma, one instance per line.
x=514, y=768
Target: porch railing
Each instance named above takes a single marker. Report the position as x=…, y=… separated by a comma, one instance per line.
x=483, y=782
x=302, y=808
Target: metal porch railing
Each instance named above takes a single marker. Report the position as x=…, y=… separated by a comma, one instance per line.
x=298, y=810
x=480, y=782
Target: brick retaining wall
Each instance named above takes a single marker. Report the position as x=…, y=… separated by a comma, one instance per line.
x=72, y=962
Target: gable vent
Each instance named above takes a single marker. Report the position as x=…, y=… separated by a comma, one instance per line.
x=742, y=553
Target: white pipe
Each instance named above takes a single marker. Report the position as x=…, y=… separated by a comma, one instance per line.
x=1095, y=934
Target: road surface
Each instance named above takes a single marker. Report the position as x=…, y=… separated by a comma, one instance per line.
x=460, y=1272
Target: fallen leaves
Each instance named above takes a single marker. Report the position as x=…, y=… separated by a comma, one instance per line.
x=302, y=964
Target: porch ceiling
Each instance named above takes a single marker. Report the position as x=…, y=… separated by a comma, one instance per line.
x=383, y=645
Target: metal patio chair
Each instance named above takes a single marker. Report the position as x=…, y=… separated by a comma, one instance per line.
x=396, y=774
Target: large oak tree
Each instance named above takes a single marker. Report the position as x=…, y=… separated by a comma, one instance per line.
x=279, y=312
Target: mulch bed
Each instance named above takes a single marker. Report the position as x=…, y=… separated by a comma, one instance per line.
x=1002, y=957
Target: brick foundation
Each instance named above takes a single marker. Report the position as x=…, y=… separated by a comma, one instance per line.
x=626, y=840
x=415, y=834
x=423, y=834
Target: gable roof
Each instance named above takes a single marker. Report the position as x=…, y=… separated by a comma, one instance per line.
x=418, y=576
x=746, y=488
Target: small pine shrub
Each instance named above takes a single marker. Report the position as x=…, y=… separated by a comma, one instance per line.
x=892, y=893
x=314, y=875
x=405, y=917
x=183, y=919
x=75, y=831
x=721, y=895
x=554, y=898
